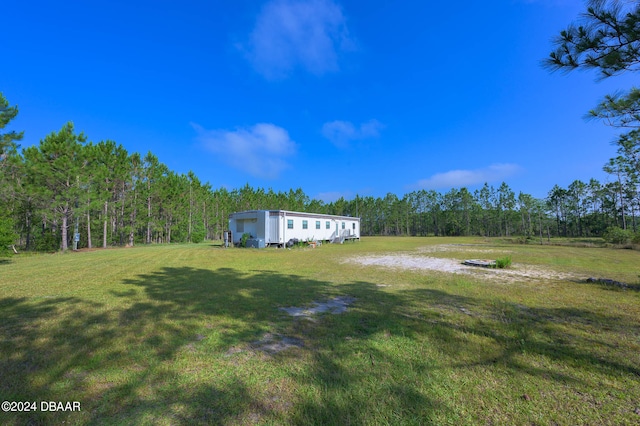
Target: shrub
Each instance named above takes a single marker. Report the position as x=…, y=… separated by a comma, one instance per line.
x=197, y=236
x=7, y=236
x=243, y=239
x=503, y=262
x=616, y=235
x=46, y=242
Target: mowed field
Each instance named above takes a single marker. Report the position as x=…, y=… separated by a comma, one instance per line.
x=188, y=334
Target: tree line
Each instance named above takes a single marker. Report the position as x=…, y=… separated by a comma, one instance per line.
x=67, y=189
x=69, y=192
x=581, y=210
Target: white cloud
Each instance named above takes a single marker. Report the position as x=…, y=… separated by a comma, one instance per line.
x=466, y=178
x=341, y=133
x=309, y=34
x=259, y=150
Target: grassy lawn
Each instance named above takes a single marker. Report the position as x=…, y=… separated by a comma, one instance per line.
x=172, y=335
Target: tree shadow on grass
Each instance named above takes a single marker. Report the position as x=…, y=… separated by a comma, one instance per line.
x=178, y=346
x=566, y=335
x=358, y=374
x=159, y=351
x=253, y=302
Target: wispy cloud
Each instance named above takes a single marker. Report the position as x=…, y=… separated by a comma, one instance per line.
x=465, y=178
x=290, y=34
x=342, y=133
x=259, y=150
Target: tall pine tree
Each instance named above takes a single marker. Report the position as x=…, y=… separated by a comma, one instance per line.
x=54, y=168
x=9, y=165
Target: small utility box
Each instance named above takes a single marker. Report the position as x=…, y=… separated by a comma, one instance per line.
x=255, y=242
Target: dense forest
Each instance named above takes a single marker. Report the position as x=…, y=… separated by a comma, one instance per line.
x=66, y=187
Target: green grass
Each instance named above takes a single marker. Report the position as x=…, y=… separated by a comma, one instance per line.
x=167, y=335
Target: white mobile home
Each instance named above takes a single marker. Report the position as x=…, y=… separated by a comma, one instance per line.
x=277, y=227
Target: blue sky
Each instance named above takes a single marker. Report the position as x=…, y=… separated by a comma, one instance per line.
x=336, y=97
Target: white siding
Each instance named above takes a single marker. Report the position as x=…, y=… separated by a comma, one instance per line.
x=272, y=226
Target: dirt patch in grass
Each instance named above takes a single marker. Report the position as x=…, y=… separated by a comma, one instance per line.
x=337, y=305
x=273, y=343
x=270, y=344
x=419, y=262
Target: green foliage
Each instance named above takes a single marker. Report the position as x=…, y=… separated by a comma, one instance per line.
x=197, y=236
x=523, y=239
x=616, y=235
x=7, y=140
x=243, y=239
x=606, y=38
x=55, y=175
x=46, y=242
x=7, y=236
x=9, y=171
x=620, y=109
x=503, y=262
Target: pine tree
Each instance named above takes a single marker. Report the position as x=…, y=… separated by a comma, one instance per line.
x=54, y=168
x=9, y=168
x=606, y=38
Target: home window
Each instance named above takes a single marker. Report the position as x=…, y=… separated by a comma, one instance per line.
x=305, y=224
x=240, y=226
x=317, y=224
x=353, y=225
x=342, y=225
x=289, y=223
x=328, y=225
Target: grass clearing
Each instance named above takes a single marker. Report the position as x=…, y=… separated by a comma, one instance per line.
x=172, y=335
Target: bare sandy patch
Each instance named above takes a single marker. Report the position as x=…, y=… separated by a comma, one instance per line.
x=406, y=261
x=517, y=272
